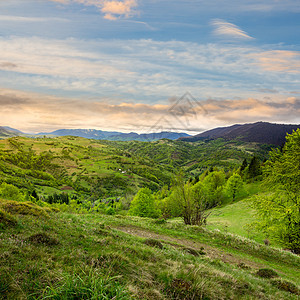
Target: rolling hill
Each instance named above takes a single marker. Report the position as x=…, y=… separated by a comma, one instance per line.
x=260, y=132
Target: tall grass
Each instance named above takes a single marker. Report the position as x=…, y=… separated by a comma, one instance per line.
x=86, y=286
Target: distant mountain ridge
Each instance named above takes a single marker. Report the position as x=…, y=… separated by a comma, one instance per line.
x=85, y=133
x=115, y=135
x=259, y=132
x=6, y=131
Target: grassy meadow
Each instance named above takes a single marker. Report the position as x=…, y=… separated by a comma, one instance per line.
x=53, y=255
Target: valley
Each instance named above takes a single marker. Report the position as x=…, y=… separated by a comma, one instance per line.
x=96, y=219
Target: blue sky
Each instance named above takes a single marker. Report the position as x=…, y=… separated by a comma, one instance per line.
x=120, y=65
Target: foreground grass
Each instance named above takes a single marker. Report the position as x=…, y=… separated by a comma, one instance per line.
x=67, y=256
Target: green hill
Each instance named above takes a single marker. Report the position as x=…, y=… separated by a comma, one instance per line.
x=50, y=255
x=101, y=169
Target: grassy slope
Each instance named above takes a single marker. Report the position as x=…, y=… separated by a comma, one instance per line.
x=234, y=218
x=99, y=256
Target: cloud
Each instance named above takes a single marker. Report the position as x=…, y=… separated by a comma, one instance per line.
x=30, y=19
x=54, y=59
x=112, y=10
x=32, y=112
x=279, y=60
x=7, y=65
x=229, y=30
x=142, y=70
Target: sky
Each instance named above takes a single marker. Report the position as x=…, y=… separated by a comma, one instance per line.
x=148, y=65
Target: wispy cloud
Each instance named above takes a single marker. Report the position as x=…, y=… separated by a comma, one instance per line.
x=279, y=60
x=112, y=10
x=144, y=69
x=229, y=30
x=30, y=19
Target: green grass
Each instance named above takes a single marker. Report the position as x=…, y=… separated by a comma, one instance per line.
x=235, y=218
x=69, y=256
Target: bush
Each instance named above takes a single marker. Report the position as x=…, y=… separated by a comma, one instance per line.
x=154, y=243
x=266, y=273
x=11, y=192
x=23, y=208
x=286, y=286
x=6, y=219
x=110, y=211
x=143, y=204
x=43, y=238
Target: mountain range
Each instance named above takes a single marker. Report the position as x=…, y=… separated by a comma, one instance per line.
x=6, y=132
x=115, y=135
x=260, y=132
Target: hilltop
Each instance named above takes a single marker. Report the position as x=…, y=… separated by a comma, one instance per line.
x=260, y=132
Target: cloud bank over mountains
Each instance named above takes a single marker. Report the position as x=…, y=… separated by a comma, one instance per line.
x=29, y=112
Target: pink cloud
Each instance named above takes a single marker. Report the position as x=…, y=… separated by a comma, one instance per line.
x=112, y=10
x=279, y=60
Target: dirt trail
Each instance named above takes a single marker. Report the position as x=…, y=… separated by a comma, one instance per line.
x=211, y=252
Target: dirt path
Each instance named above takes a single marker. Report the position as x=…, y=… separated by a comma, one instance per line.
x=211, y=252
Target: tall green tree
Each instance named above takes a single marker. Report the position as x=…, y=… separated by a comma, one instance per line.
x=214, y=183
x=244, y=165
x=254, y=168
x=280, y=212
x=234, y=185
x=143, y=204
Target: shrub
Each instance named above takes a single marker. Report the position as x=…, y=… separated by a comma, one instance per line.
x=43, y=238
x=286, y=286
x=110, y=211
x=143, y=204
x=11, y=192
x=23, y=208
x=195, y=252
x=266, y=273
x=154, y=243
x=6, y=219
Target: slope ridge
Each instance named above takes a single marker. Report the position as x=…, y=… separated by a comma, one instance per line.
x=259, y=132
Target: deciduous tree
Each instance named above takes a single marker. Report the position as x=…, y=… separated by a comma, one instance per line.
x=280, y=212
